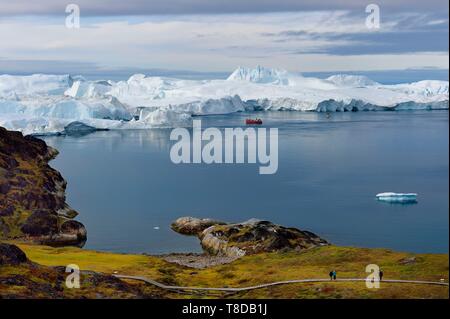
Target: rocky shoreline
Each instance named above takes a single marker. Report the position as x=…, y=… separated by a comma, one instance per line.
x=196, y=260
x=32, y=194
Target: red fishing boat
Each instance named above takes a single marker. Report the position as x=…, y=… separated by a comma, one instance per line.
x=253, y=121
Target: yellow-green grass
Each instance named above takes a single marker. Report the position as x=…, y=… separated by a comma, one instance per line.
x=349, y=262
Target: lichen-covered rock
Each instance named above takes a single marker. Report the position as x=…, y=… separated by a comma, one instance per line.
x=40, y=223
x=192, y=225
x=11, y=255
x=71, y=232
x=32, y=194
x=250, y=237
x=7, y=211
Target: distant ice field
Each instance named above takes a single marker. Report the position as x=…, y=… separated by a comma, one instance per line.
x=46, y=104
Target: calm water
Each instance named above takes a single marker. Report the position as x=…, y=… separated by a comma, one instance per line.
x=124, y=184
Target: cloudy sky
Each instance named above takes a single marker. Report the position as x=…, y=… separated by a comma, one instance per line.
x=216, y=36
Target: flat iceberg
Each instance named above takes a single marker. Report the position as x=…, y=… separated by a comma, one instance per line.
x=397, y=197
x=346, y=80
x=43, y=103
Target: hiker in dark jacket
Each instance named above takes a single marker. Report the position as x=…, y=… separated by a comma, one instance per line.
x=380, y=274
x=331, y=275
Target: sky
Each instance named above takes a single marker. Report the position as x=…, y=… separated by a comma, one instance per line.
x=210, y=38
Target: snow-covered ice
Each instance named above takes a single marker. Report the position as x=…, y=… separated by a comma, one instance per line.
x=47, y=103
x=397, y=197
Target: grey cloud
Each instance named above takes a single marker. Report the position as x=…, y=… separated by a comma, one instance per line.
x=412, y=33
x=377, y=43
x=11, y=66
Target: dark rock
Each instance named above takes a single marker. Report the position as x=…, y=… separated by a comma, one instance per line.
x=73, y=229
x=8, y=211
x=20, y=182
x=27, y=147
x=11, y=255
x=4, y=187
x=4, y=229
x=40, y=223
x=9, y=163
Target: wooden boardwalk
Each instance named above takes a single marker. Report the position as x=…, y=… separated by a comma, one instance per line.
x=270, y=284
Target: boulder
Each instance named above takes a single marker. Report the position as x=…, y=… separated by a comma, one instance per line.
x=192, y=225
x=72, y=232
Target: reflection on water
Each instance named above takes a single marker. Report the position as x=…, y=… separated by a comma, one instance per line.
x=405, y=203
x=330, y=168
x=111, y=140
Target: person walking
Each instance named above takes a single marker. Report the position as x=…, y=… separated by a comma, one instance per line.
x=334, y=274
x=380, y=274
x=331, y=275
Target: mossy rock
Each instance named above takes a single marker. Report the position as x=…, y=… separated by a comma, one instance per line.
x=32, y=194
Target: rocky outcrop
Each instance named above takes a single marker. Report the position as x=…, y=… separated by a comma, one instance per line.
x=32, y=194
x=27, y=279
x=250, y=237
x=193, y=226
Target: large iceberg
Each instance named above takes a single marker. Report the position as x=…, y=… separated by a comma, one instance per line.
x=47, y=103
x=34, y=84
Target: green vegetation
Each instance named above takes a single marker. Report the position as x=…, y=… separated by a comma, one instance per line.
x=262, y=268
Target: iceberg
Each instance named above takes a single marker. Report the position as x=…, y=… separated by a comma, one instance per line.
x=397, y=197
x=78, y=129
x=82, y=89
x=160, y=118
x=43, y=103
x=345, y=80
x=34, y=84
x=260, y=75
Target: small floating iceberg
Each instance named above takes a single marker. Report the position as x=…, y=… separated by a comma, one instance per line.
x=397, y=197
